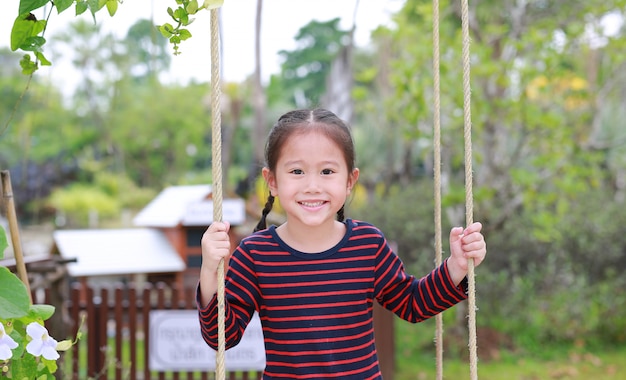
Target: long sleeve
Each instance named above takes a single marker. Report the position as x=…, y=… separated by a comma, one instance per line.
x=411, y=298
x=242, y=299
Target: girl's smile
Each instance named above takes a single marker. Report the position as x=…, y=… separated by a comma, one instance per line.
x=312, y=204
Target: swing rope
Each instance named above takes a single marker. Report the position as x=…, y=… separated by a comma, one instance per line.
x=216, y=189
x=437, y=177
x=467, y=137
x=469, y=204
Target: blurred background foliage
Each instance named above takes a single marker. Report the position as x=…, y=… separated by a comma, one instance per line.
x=549, y=119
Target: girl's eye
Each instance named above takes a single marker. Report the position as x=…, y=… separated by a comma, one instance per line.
x=297, y=171
x=327, y=171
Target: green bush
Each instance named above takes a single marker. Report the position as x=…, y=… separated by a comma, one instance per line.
x=568, y=290
x=107, y=196
x=411, y=228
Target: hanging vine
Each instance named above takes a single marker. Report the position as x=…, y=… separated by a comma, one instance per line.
x=28, y=32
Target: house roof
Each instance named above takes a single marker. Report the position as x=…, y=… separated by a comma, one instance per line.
x=168, y=208
x=117, y=251
x=187, y=205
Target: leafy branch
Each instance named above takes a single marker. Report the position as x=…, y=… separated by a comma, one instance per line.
x=28, y=32
x=181, y=17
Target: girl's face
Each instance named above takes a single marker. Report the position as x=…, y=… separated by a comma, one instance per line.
x=311, y=179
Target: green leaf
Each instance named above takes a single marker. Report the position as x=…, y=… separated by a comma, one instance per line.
x=33, y=43
x=51, y=366
x=184, y=34
x=167, y=30
x=81, y=7
x=3, y=242
x=95, y=5
x=192, y=7
x=24, y=368
x=28, y=66
x=179, y=13
x=41, y=311
x=185, y=19
x=63, y=5
x=42, y=59
x=112, y=7
x=14, y=299
x=26, y=6
x=19, y=338
x=24, y=27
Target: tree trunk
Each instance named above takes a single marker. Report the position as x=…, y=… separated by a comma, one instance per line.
x=259, y=100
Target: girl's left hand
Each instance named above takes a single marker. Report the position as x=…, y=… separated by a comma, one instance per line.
x=465, y=244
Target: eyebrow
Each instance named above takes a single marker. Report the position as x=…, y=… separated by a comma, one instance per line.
x=299, y=162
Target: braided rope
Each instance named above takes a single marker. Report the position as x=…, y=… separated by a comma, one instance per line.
x=216, y=147
x=468, y=186
x=437, y=177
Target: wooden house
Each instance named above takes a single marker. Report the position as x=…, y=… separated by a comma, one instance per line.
x=164, y=244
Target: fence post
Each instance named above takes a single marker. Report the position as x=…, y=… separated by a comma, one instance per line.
x=145, y=313
x=92, y=337
x=385, y=342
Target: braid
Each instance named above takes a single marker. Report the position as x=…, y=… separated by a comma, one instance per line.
x=266, y=210
x=340, y=214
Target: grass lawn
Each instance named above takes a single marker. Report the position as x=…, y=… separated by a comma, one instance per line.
x=610, y=365
x=415, y=360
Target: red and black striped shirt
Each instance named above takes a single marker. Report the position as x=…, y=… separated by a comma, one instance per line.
x=316, y=309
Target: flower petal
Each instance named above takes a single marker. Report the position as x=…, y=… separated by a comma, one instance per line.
x=5, y=352
x=49, y=352
x=6, y=340
x=35, y=347
x=6, y=344
x=35, y=330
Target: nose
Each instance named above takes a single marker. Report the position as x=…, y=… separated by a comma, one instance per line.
x=312, y=183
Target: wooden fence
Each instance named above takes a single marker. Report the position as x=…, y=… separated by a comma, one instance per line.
x=115, y=324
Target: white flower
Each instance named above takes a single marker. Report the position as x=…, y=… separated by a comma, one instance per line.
x=41, y=344
x=6, y=344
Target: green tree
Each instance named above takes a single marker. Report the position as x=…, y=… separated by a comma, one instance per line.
x=162, y=133
x=524, y=153
x=39, y=140
x=547, y=94
x=304, y=70
x=147, y=50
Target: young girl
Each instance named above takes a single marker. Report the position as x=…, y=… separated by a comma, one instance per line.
x=314, y=279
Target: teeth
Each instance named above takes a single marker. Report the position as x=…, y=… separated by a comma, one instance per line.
x=312, y=204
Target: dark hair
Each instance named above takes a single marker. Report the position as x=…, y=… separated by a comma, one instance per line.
x=299, y=121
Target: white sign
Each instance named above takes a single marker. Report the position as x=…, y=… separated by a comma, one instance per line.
x=176, y=344
x=201, y=213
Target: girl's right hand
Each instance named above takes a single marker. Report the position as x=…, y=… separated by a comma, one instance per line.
x=216, y=246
